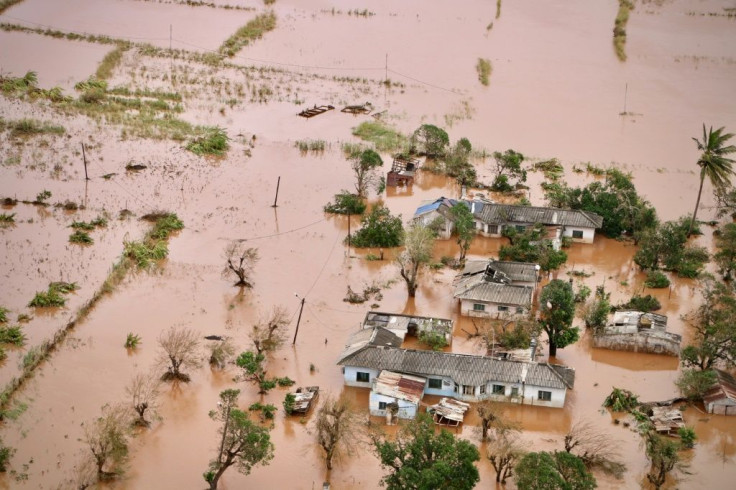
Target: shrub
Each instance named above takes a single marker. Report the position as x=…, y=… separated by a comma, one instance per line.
x=656, y=279
x=143, y=254
x=289, y=403
x=380, y=229
x=5, y=454
x=132, y=341
x=284, y=382
x=212, y=141
x=165, y=225
x=6, y=218
x=346, y=203
x=42, y=196
x=641, y=303
x=12, y=335
x=435, y=340
x=48, y=298
x=3, y=314
x=484, y=68
x=267, y=410
x=80, y=236
x=687, y=437
x=82, y=225
x=621, y=400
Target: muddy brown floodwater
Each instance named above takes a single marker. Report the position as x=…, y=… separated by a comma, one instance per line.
x=556, y=90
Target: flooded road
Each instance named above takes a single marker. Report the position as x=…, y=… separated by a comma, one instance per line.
x=551, y=95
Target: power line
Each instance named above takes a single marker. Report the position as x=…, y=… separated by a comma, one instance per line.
x=337, y=236
x=279, y=233
x=452, y=91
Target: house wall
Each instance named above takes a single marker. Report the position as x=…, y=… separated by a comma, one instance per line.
x=466, y=308
x=638, y=342
x=724, y=406
x=407, y=410
x=350, y=375
x=445, y=232
x=588, y=234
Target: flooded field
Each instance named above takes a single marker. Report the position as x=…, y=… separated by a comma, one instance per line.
x=556, y=90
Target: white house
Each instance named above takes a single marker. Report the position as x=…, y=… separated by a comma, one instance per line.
x=467, y=377
x=492, y=218
x=721, y=397
x=437, y=212
x=403, y=391
x=496, y=289
x=412, y=325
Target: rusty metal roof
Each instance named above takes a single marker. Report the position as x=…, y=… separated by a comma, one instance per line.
x=725, y=387
x=400, y=386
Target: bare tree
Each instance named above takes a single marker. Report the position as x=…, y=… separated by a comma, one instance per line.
x=504, y=451
x=107, y=439
x=270, y=333
x=489, y=413
x=241, y=261
x=180, y=351
x=220, y=352
x=594, y=448
x=418, y=242
x=143, y=391
x=336, y=427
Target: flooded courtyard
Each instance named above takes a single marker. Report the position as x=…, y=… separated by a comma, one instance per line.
x=557, y=89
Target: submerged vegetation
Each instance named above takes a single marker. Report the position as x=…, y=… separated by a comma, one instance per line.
x=381, y=135
x=619, y=29
x=484, y=68
x=255, y=29
x=211, y=141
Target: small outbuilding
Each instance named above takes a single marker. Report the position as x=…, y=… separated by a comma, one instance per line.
x=397, y=394
x=720, y=399
x=637, y=331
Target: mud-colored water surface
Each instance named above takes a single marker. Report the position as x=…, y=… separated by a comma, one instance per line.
x=556, y=90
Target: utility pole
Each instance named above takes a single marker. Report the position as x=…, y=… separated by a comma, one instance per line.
x=348, y=234
x=299, y=319
x=278, y=182
x=386, y=72
x=84, y=158
x=626, y=94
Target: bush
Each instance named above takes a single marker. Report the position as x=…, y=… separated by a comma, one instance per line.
x=289, y=403
x=435, y=340
x=346, y=203
x=3, y=314
x=132, y=341
x=641, y=303
x=165, y=225
x=51, y=297
x=5, y=454
x=213, y=141
x=621, y=400
x=12, y=335
x=379, y=229
x=7, y=218
x=82, y=237
x=656, y=279
x=143, y=254
x=687, y=437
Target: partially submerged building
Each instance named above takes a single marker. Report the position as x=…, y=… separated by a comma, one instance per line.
x=496, y=289
x=396, y=394
x=437, y=214
x=402, y=171
x=412, y=325
x=637, y=331
x=578, y=225
x=720, y=399
x=470, y=378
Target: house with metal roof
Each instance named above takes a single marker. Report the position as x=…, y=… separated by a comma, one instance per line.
x=578, y=225
x=496, y=289
x=437, y=214
x=402, y=325
x=396, y=393
x=638, y=331
x=720, y=399
x=467, y=377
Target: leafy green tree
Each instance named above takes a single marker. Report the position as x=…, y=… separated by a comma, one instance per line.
x=242, y=443
x=508, y=166
x=532, y=246
x=457, y=163
x=663, y=454
x=597, y=310
x=346, y=203
x=435, y=340
x=694, y=383
x=107, y=439
x=431, y=141
x=379, y=229
x=464, y=227
x=687, y=437
x=557, y=310
x=714, y=330
x=664, y=246
x=254, y=369
x=421, y=459
x=364, y=166
x=713, y=162
x=418, y=243
x=551, y=471
x=726, y=256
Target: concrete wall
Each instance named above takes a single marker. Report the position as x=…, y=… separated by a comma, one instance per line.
x=466, y=308
x=445, y=232
x=407, y=410
x=588, y=234
x=350, y=375
x=638, y=342
x=722, y=407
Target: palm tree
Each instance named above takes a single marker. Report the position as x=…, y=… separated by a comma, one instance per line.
x=713, y=163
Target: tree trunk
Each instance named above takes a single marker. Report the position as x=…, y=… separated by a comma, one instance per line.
x=216, y=478
x=697, y=203
x=552, y=348
x=411, y=288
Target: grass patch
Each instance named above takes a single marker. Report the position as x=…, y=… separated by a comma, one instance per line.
x=7, y=218
x=4, y=314
x=82, y=225
x=484, y=69
x=5, y=4
x=12, y=335
x=316, y=146
x=31, y=127
x=213, y=141
x=249, y=32
x=111, y=61
x=82, y=237
x=382, y=136
x=53, y=295
x=132, y=341
x=143, y=254
x=619, y=28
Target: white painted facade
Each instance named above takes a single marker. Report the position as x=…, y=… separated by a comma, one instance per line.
x=588, y=234
x=492, y=310
x=351, y=376
x=377, y=406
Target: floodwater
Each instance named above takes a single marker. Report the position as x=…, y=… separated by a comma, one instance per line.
x=556, y=91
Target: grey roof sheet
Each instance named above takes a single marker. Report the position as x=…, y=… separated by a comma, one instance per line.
x=516, y=271
x=462, y=368
x=376, y=336
x=505, y=213
x=475, y=288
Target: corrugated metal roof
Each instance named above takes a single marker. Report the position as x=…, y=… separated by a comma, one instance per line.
x=462, y=368
x=506, y=213
x=516, y=271
x=401, y=386
x=426, y=208
x=477, y=289
x=371, y=336
x=725, y=387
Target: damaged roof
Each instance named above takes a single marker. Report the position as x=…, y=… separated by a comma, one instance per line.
x=464, y=369
x=476, y=288
x=400, y=386
x=506, y=213
x=371, y=336
x=725, y=387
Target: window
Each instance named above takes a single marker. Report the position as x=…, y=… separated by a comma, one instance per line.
x=493, y=229
x=499, y=390
x=435, y=384
x=479, y=307
x=456, y=389
x=544, y=396
x=382, y=405
x=482, y=389
x=520, y=228
x=514, y=391
x=577, y=233
x=362, y=377
x=468, y=390
x=503, y=308
x=519, y=310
